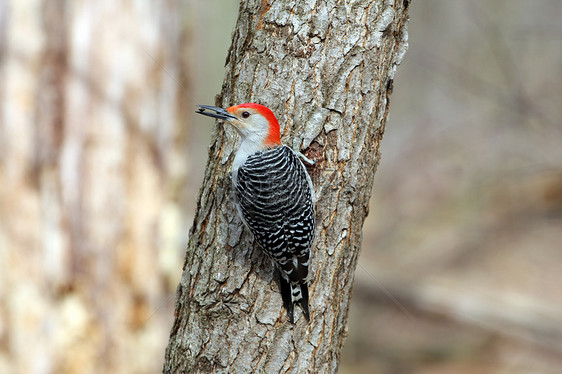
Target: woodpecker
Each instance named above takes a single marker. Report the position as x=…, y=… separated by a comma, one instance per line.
x=274, y=196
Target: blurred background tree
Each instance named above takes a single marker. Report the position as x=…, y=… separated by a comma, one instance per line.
x=94, y=168
x=100, y=159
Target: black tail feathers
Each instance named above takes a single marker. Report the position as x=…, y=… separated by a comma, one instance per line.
x=294, y=293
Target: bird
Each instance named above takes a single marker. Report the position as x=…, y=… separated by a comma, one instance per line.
x=274, y=196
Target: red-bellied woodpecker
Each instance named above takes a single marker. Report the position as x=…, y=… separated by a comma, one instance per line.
x=274, y=196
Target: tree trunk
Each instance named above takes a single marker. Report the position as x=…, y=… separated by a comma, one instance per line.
x=326, y=70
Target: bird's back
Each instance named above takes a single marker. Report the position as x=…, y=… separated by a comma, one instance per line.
x=274, y=195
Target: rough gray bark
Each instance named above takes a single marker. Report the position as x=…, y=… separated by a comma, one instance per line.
x=326, y=70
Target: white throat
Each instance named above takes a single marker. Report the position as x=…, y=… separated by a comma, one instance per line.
x=252, y=137
x=247, y=148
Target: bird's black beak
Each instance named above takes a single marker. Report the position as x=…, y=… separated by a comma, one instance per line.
x=215, y=112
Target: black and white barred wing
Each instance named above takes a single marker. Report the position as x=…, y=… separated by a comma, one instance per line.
x=274, y=195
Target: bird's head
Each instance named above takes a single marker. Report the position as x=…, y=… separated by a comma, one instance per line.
x=254, y=122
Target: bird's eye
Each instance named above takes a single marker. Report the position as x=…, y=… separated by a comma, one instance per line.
x=245, y=114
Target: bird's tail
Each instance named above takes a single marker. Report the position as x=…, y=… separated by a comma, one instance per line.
x=294, y=293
